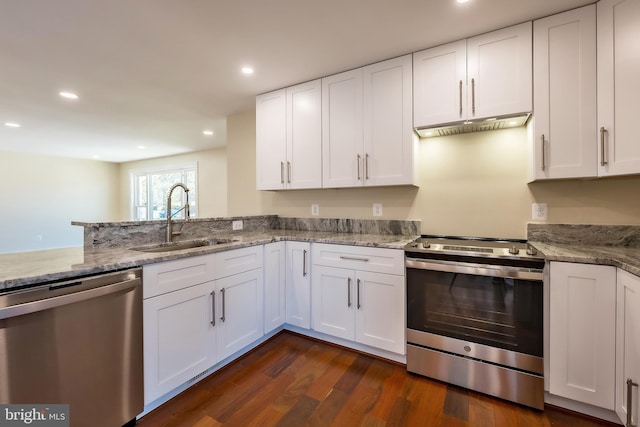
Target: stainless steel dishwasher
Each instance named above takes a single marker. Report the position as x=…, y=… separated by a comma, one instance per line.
x=76, y=342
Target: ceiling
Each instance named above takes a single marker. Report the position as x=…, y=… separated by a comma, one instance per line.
x=156, y=73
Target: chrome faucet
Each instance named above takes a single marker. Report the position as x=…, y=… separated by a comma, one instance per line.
x=169, y=215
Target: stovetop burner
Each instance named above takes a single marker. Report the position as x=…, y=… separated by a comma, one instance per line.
x=472, y=247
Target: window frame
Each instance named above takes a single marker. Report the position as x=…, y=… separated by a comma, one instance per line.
x=148, y=172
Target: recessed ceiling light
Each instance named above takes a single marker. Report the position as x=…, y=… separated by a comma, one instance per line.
x=68, y=95
x=513, y=123
x=247, y=70
x=462, y=1
x=95, y=156
x=12, y=124
x=141, y=147
x=207, y=132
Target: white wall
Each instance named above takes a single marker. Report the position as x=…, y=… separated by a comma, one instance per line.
x=41, y=195
x=212, y=180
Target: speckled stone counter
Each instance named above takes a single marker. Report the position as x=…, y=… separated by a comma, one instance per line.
x=26, y=269
x=617, y=245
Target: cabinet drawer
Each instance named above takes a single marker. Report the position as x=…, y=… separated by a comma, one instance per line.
x=173, y=275
x=237, y=261
x=378, y=260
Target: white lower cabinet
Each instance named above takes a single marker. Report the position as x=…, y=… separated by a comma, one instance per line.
x=240, y=319
x=358, y=305
x=194, y=318
x=274, y=285
x=627, y=348
x=582, y=315
x=298, y=284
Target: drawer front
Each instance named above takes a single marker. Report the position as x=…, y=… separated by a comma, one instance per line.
x=237, y=261
x=377, y=260
x=170, y=276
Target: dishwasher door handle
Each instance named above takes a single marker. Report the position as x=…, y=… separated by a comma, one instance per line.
x=71, y=298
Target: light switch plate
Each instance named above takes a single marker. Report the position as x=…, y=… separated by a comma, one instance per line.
x=377, y=209
x=236, y=225
x=315, y=209
x=539, y=211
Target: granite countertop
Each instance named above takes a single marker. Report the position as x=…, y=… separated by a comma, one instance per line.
x=26, y=269
x=626, y=258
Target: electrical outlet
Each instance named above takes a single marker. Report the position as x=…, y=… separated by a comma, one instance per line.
x=315, y=209
x=377, y=209
x=236, y=225
x=539, y=211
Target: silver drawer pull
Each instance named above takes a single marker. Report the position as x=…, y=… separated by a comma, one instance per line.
x=353, y=258
x=630, y=386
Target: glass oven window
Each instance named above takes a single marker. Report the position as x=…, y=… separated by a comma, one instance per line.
x=499, y=312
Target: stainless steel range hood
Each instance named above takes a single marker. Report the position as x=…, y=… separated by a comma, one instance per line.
x=458, y=128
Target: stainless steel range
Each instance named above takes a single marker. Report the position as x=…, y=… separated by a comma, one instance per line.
x=474, y=315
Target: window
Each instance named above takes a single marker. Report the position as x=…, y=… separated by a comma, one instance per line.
x=150, y=190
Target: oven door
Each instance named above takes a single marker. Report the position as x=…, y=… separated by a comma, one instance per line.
x=497, y=306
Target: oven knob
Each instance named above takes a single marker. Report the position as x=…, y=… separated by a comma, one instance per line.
x=467, y=348
x=531, y=250
x=514, y=251
x=426, y=245
x=414, y=244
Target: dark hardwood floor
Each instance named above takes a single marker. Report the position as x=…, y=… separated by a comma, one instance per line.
x=295, y=381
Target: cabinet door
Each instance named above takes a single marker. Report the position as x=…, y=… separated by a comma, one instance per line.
x=240, y=311
x=582, y=304
x=334, y=301
x=304, y=136
x=499, y=73
x=628, y=344
x=271, y=140
x=618, y=86
x=274, y=285
x=440, y=84
x=388, y=134
x=179, y=338
x=342, y=130
x=380, y=318
x=298, y=284
x=565, y=95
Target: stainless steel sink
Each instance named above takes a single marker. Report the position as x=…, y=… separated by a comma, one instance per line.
x=178, y=246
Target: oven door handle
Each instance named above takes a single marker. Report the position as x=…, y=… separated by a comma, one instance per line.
x=475, y=269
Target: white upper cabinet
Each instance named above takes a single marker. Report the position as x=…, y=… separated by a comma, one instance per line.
x=342, y=130
x=618, y=86
x=440, y=84
x=628, y=347
x=271, y=140
x=367, y=137
x=388, y=134
x=481, y=77
x=289, y=138
x=564, y=127
x=499, y=72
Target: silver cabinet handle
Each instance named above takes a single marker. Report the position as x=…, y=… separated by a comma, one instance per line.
x=304, y=263
x=353, y=258
x=223, y=308
x=289, y=172
x=630, y=386
x=603, y=152
x=366, y=166
x=348, y=291
x=460, y=98
x=358, y=161
x=213, y=308
x=543, y=153
x=281, y=172
x=473, y=96
x=358, y=293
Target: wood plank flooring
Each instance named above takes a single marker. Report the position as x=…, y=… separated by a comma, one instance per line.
x=295, y=381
